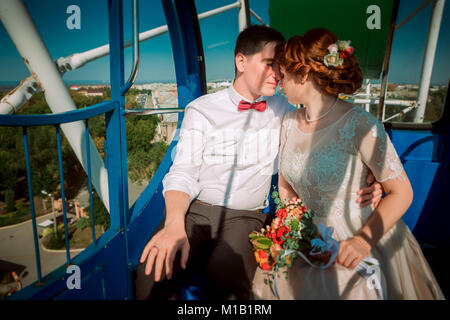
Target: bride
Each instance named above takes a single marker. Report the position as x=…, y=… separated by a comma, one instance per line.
x=326, y=151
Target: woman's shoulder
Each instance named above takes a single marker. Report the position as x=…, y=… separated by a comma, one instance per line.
x=364, y=123
x=356, y=113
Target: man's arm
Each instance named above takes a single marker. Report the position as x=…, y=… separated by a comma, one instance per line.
x=164, y=245
x=180, y=187
x=372, y=193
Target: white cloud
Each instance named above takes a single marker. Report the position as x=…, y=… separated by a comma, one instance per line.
x=218, y=44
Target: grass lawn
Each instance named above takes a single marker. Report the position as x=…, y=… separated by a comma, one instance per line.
x=78, y=239
x=20, y=215
x=14, y=217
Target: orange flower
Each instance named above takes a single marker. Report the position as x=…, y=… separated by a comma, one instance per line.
x=275, y=250
x=295, y=212
x=258, y=259
x=261, y=256
x=288, y=259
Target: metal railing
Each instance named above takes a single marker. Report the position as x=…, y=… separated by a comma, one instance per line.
x=26, y=121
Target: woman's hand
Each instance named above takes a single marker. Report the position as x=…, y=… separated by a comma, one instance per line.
x=352, y=251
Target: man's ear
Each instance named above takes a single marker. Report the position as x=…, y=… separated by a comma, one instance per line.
x=240, y=60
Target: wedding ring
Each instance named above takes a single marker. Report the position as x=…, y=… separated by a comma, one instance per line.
x=155, y=247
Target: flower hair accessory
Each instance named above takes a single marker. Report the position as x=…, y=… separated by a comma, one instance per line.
x=337, y=53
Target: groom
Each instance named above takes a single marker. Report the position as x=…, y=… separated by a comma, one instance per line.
x=220, y=180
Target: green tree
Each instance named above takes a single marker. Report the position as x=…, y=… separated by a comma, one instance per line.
x=10, y=200
x=101, y=215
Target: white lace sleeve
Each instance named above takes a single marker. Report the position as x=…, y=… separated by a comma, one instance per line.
x=376, y=149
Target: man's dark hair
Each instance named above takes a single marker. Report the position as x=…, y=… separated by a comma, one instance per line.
x=254, y=38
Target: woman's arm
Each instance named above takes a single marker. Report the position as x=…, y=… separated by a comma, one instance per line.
x=284, y=188
x=399, y=195
x=379, y=155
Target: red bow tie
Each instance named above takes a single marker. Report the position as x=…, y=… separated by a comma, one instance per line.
x=258, y=106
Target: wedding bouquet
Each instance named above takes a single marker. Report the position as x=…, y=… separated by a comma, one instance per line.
x=292, y=233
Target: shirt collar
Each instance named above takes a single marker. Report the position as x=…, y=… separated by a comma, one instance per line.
x=236, y=97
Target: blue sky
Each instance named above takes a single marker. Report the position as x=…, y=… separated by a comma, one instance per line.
x=219, y=34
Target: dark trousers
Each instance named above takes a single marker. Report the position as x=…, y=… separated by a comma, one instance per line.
x=219, y=249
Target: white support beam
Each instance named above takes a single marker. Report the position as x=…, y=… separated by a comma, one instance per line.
x=428, y=59
x=23, y=32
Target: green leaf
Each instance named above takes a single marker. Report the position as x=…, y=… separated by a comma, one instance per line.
x=294, y=225
x=254, y=235
x=262, y=243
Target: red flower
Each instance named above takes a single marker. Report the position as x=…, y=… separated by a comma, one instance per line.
x=282, y=213
x=265, y=266
x=346, y=53
x=280, y=232
x=263, y=254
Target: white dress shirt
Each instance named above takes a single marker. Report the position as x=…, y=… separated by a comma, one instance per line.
x=227, y=157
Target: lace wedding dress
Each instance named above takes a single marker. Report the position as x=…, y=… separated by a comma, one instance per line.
x=326, y=168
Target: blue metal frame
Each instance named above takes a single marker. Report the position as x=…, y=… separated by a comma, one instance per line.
x=88, y=169
x=58, y=118
x=33, y=212
x=104, y=263
x=63, y=195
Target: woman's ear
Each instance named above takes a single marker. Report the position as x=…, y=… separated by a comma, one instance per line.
x=240, y=60
x=304, y=78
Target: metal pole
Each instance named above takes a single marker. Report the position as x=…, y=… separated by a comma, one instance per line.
x=387, y=57
x=23, y=32
x=253, y=13
x=428, y=59
x=368, y=94
x=423, y=5
x=244, y=15
x=53, y=214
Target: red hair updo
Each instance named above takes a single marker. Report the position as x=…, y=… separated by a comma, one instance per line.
x=302, y=55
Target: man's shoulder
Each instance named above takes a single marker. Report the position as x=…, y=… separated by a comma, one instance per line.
x=209, y=99
x=206, y=106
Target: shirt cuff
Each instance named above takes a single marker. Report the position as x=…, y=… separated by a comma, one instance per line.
x=191, y=188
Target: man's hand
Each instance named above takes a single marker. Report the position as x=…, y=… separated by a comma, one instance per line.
x=163, y=247
x=370, y=194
